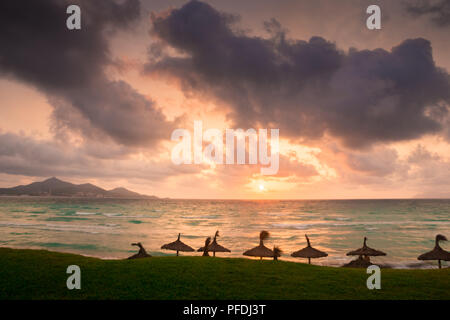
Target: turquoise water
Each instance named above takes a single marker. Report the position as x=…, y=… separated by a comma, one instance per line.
x=105, y=228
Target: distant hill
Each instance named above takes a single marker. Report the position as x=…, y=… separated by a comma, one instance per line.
x=124, y=193
x=56, y=187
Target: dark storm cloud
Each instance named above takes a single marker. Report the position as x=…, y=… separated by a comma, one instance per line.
x=69, y=66
x=22, y=155
x=26, y=156
x=305, y=88
x=437, y=10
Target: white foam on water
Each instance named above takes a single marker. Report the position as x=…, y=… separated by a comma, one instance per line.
x=121, y=216
x=297, y=226
x=93, y=229
x=403, y=224
x=276, y=214
x=85, y=213
x=199, y=217
x=113, y=225
x=112, y=214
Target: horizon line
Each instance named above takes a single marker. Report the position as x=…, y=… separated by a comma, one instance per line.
x=223, y=199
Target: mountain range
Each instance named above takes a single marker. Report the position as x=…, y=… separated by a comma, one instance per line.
x=56, y=187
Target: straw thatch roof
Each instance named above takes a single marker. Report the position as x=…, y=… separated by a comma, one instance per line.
x=437, y=253
x=177, y=246
x=214, y=246
x=366, y=251
x=261, y=250
x=141, y=254
x=309, y=252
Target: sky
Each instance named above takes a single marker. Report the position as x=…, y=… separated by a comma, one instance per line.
x=361, y=113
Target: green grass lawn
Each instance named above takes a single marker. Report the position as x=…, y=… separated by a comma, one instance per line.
x=38, y=274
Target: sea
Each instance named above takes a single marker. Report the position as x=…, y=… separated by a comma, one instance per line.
x=105, y=228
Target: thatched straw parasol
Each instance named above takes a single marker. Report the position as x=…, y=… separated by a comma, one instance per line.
x=206, y=247
x=214, y=246
x=437, y=253
x=364, y=254
x=277, y=253
x=366, y=251
x=261, y=250
x=177, y=246
x=309, y=252
x=141, y=254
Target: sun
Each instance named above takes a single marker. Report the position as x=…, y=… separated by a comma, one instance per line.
x=261, y=187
